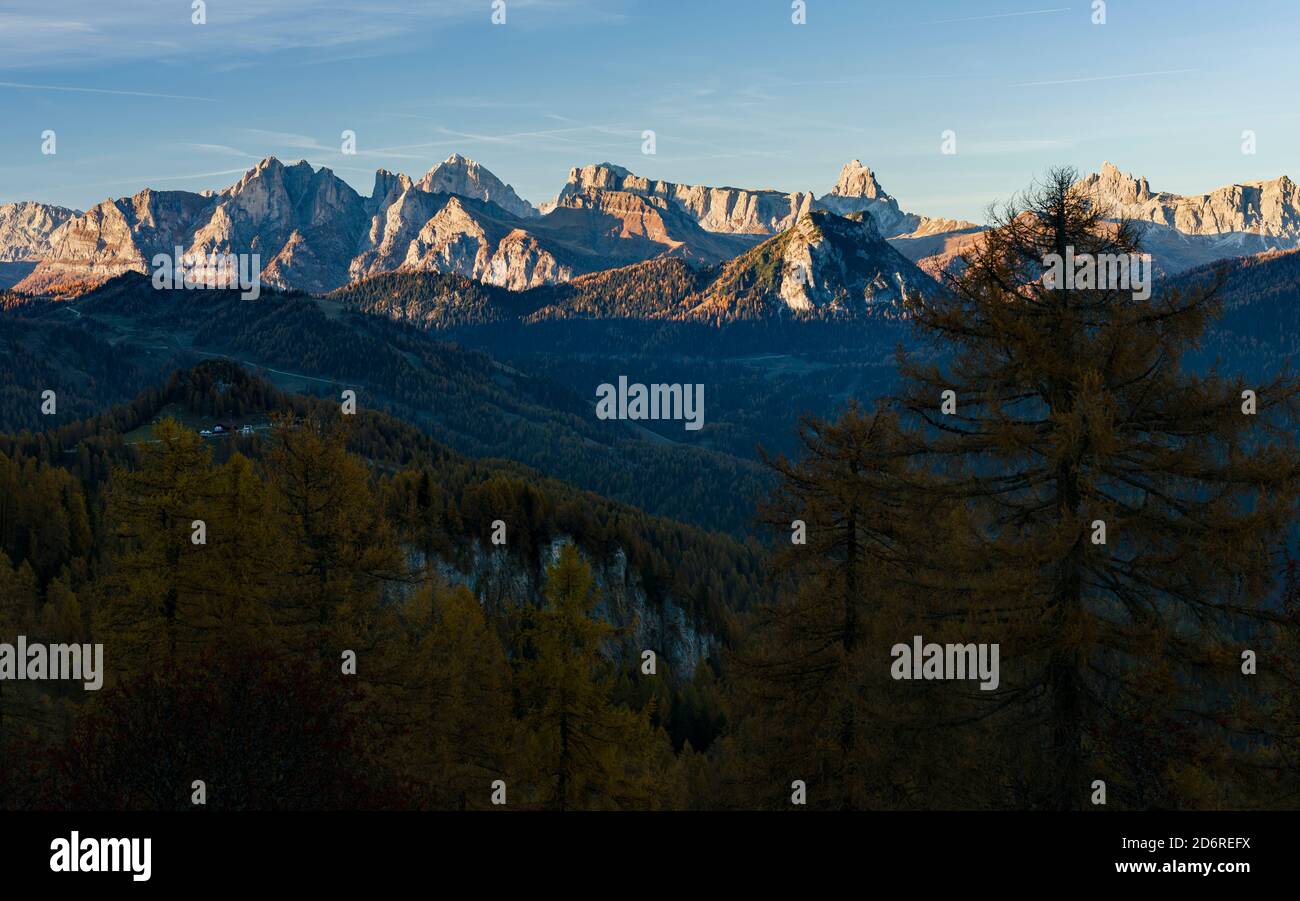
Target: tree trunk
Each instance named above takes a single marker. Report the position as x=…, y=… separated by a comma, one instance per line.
x=1064, y=665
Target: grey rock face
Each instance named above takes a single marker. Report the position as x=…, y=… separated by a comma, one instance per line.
x=458, y=175
x=1265, y=208
x=25, y=229
x=727, y=210
x=498, y=577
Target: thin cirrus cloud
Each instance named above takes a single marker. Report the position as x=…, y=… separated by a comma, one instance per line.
x=1091, y=78
x=136, y=182
x=1033, y=145
x=23, y=86
x=287, y=139
x=217, y=148
x=283, y=140
x=89, y=32
x=1011, y=15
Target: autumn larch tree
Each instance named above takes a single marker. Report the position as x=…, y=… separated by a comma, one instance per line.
x=579, y=749
x=340, y=550
x=811, y=693
x=1124, y=518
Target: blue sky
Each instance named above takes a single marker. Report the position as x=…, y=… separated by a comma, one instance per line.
x=736, y=94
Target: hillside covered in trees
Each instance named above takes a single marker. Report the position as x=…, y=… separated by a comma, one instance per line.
x=461, y=397
x=322, y=534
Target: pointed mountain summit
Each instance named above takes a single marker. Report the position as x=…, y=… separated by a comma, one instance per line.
x=857, y=180
x=825, y=265
x=302, y=223
x=1117, y=187
x=931, y=243
x=460, y=175
x=385, y=184
x=858, y=191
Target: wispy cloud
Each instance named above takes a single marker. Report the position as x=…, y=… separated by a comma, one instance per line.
x=1027, y=145
x=1013, y=15
x=216, y=148
x=150, y=179
x=81, y=32
x=1091, y=78
x=287, y=139
x=84, y=90
x=562, y=135
x=280, y=140
x=29, y=26
x=138, y=182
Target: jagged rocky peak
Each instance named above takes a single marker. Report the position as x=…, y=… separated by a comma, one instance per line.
x=600, y=176
x=303, y=223
x=589, y=182
x=259, y=192
x=858, y=231
x=384, y=182
x=825, y=264
x=842, y=262
x=296, y=179
x=859, y=191
x=460, y=175
x=272, y=201
x=1269, y=209
x=25, y=229
x=1114, y=186
x=267, y=167
x=857, y=180
x=389, y=187
x=740, y=211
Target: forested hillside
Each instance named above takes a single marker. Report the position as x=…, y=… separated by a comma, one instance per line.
x=44, y=355
x=1260, y=325
x=326, y=533
x=460, y=397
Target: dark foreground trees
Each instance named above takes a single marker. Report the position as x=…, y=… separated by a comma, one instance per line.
x=811, y=699
x=1116, y=525
x=271, y=630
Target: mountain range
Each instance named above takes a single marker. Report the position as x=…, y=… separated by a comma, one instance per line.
x=313, y=232
x=521, y=389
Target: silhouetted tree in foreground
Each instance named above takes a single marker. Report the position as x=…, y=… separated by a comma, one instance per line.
x=1126, y=519
x=1116, y=524
x=811, y=694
